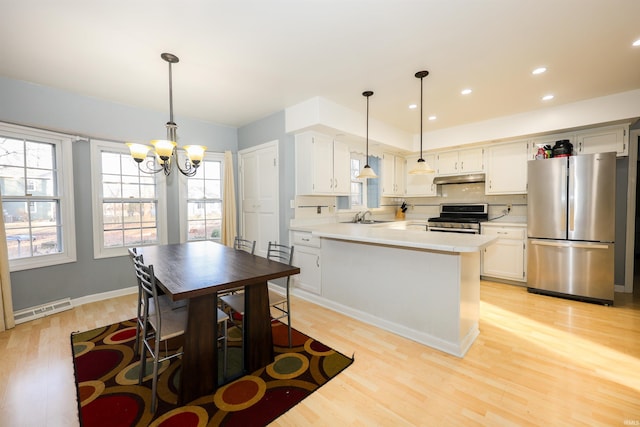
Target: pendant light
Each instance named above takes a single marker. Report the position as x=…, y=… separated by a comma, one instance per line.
x=366, y=171
x=421, y=167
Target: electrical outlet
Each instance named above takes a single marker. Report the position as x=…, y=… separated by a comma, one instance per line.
x=509, y=208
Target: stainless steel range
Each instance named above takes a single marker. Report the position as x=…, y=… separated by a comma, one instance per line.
x=460, y=218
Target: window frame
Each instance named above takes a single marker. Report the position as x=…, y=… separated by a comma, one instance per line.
x=183, y=199
x=65, y=194
x=99, y=250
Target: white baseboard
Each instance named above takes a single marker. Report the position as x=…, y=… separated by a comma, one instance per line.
x=47, y=309
x=104, y=295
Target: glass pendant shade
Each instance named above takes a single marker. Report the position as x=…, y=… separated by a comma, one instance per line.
x=366, y=172
x=138, y=151
x=195, y=153
x=421, y=168
x=163, y=147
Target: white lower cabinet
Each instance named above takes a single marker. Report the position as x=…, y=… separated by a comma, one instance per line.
x=505, y=257
x=306, y=256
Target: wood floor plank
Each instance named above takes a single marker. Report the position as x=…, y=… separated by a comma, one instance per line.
x=538, y=361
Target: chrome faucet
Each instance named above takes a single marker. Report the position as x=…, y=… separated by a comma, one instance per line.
x=363, y=217
x=357, y=217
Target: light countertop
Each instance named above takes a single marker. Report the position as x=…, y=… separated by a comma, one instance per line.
x=392, y=233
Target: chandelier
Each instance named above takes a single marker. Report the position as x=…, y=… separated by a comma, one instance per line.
x=166, y=150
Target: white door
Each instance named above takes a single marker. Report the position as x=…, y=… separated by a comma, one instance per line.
x=258, y=182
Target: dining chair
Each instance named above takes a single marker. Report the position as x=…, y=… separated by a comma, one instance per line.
x=144, y=302
x=158, y=326
x=239, y=244
x=277, y=300
x=223, y=318
x=244, y=245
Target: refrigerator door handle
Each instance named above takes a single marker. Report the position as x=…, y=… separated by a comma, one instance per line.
x=571, y=196
x=569, y=244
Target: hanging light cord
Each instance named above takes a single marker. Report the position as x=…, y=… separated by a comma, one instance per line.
x=421, y=75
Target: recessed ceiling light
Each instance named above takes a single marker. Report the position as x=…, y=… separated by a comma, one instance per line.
x=539, y=70
x=432, y=117
x=547, y=97
x=636, y=43
x=413, y=106
x=466, y=91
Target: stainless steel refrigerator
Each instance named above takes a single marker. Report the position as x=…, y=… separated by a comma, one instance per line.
x=571, y=226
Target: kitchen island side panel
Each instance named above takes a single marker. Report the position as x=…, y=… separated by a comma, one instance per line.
x=429, y=296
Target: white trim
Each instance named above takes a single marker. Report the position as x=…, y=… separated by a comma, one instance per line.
x=99, y=251
x=104, y=296
x=64, y=167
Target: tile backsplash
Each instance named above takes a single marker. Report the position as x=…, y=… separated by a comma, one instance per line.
x=420, y=207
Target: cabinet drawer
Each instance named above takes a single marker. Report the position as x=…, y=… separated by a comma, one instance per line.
x=303, y=238
x=504, y=232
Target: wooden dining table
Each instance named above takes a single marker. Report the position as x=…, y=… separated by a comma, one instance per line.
x=197, y=271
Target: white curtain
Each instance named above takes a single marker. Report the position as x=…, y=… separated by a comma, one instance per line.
x=228, y=202
x=6, y=303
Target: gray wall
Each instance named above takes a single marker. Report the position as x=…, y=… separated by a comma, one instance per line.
x=53, y=109
x=268, y=129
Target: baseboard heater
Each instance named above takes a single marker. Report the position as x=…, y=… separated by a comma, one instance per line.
x=42, y=310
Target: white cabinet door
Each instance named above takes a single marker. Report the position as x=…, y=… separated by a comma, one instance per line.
x=460, y=161
x=447, y=163
x=507, y=168
x=392, y=175
x=341, y=169
x=322, y=165
x=399, y=174
x=308, y=260
x=471, y=160
x=505, y=257
x=612, y=138
x=420, y=185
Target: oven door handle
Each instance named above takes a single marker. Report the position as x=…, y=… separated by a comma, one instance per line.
x=454, y=230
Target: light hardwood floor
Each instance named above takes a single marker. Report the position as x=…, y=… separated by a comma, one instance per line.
x=538, y=361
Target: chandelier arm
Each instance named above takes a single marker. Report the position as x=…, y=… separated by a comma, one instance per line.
x=189, y=170
x=149, y=169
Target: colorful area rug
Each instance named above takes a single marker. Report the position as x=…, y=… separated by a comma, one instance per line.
x=106, y=373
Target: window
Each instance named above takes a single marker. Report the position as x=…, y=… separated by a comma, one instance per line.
x=36, y=183
x=201, y=201
x=357, y=197
x=365, y=193
x=128, y=205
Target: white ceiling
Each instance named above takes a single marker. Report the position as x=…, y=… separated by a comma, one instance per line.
x=241, y=61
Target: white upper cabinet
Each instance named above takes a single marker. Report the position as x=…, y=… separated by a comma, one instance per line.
x=458, y=162
x=420, y=185
x=322, y=165
x=507, y=168
x=549, y=140
x=393, y=175
x=602, y=140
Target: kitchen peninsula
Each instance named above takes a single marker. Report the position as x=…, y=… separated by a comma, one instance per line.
x=422, y=285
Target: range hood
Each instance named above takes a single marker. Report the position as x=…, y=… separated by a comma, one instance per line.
x=459, y=179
